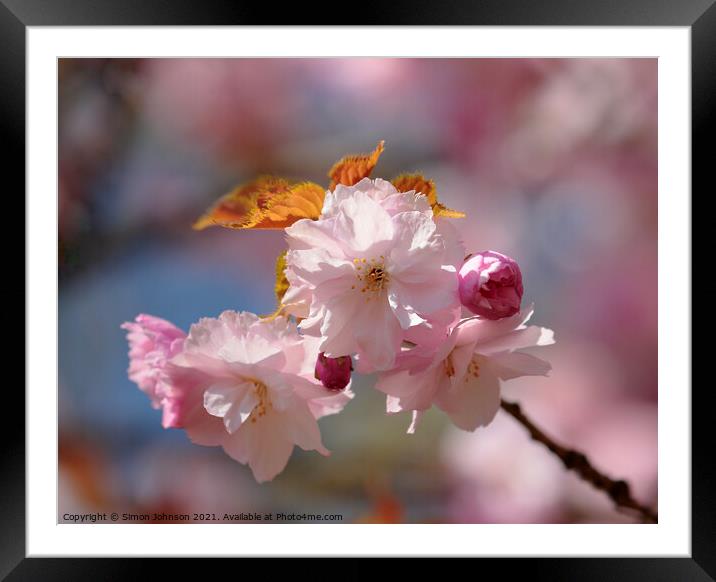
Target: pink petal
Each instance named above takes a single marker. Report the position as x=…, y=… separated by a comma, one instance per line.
x=302, y=429
x=508, y=365
x=410, y=392
x=271, y=447
x=378, y=335
x=332, y=404
x=337, y=327
x=363, y=225
x=233, y=337
x=204, y=429
x=310, y=234
x=472, y=403
x=515, y=340
x=240, y=411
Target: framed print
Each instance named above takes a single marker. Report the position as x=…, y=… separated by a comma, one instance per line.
x=417, y=287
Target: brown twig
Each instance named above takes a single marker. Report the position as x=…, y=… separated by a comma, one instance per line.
x=617, y=490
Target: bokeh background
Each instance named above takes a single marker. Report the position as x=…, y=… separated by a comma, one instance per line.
x=555, y=163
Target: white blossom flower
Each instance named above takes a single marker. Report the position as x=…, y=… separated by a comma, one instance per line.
x=372, y=267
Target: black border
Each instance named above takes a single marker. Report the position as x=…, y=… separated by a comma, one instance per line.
x=700, y=15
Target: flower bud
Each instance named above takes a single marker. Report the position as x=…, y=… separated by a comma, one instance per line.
x=334, y=373
x=491, y=285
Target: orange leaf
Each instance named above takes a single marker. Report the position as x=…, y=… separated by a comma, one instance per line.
x=440, y=210
x=352, y=169
x=265, y=203
x=418, y=183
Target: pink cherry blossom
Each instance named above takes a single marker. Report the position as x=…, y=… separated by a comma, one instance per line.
x=393, y=202
x=380, y=191
x=260, y=395
x=491, y=285
x=334, y=373
x=373, y=266
x=462, y=377
x=152, y=343
x=298, y=297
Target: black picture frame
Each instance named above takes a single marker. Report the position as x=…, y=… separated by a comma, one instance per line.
x=699, y=15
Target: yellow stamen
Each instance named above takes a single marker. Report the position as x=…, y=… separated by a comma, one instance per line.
x=449, y=366
x=473, y=369
x=264, y=404
x=375, y=278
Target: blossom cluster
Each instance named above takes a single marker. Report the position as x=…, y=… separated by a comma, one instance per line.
x=377, y=282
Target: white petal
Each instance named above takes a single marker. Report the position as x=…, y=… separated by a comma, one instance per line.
x=219, y=398
x=240, y=411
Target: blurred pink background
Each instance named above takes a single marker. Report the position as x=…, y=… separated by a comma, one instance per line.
x=555, y=163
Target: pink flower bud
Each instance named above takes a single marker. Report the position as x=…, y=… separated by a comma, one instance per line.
x=491, y=285
x=334, y=373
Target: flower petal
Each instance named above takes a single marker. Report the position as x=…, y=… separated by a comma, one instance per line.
x=219, y=398
x=311, y=234
x=325, y=275
x=204, y=429
x=436, y=293
x=378, y=335
x=414, y=230
x=363, y=225
x=410, y=392
x=518, y=339
x=240, y=411
x=264, y=445
x=404, y=313
x=232, y=337
x=340, y=316
x=481, y=331
x=508, y=365
x=333, y=404
x=473, y=402
x=271, y=447
x=302, y=429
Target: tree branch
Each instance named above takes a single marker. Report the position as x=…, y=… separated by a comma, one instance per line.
x=617, y=490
